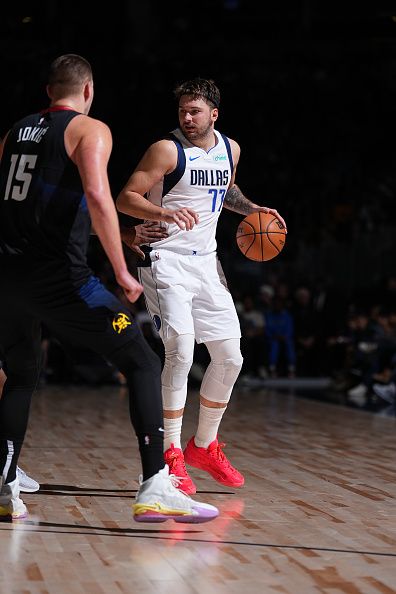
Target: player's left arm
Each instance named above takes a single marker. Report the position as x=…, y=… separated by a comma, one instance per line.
x=236, y=201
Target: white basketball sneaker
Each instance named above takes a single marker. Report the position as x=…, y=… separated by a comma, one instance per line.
x=158, y=499
x=26, y=483
x=10, y=503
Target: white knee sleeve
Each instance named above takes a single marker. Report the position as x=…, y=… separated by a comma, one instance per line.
x=223, y=370
x=179, y=351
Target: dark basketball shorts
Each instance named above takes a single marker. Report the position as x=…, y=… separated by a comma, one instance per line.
x=89, y=316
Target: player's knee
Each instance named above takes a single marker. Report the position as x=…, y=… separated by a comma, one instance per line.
x=231, y=370
x=179, y=352
x=220, y=378
x=176, y=370
x=226, y=372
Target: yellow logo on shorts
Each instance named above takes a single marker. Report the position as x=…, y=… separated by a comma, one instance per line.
x=120, y=322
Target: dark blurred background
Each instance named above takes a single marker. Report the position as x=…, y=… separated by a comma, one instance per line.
x=308, y=91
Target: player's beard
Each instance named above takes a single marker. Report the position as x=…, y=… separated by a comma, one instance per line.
x=198, y=133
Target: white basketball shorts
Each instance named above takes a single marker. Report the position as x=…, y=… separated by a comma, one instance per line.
x=189, y=295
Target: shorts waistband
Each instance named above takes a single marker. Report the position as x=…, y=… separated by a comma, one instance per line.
x=152, y=254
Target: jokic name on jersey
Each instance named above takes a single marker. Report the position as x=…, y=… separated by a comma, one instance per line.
x=31, y=134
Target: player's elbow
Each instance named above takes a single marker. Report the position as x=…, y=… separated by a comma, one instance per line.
x=99, y=202
x=95, y=197
x=125, y=203
x=121, y=203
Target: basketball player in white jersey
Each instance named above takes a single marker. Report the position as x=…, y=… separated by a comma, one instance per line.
x=184, y=285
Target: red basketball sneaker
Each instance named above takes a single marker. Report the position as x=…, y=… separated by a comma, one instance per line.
x=175, y=460
x=213, y=460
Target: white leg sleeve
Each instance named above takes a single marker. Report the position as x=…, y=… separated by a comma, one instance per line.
x=179, y=351
x=223, y=370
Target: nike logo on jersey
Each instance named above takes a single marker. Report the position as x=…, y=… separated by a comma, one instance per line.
x=193, y=158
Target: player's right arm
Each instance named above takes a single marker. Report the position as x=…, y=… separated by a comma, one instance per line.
x=88, y=143
x=159, y=160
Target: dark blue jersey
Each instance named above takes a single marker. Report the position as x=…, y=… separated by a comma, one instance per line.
x=43, y=209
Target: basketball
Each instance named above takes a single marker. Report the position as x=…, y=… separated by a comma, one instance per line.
x=261, y=236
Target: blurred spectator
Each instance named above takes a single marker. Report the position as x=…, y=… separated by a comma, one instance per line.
x=252, y=341
x=373, y=349
x=305, y=329
x=279, y=331
x=283, y=292
x=264, y=298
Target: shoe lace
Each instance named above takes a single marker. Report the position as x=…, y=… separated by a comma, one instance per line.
x=176, y=461
x=220, y=455
x=175, y=482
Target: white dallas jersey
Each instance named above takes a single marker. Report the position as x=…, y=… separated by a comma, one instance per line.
x=200, y=181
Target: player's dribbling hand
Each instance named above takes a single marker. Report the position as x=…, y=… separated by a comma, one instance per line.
x=131, y=287
x=273, y=212
x=185, y=218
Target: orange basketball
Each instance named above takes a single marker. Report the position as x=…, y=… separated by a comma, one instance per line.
x=261, y=236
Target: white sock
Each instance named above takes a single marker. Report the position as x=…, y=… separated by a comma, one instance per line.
x=208, y=425
x=172, y=432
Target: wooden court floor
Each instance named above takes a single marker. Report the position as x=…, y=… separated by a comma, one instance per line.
x=317, y=513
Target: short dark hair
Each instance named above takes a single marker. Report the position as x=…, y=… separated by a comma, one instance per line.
x=199, y=88
x=69, y=72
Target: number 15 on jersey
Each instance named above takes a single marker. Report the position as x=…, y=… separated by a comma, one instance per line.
x=19, y=178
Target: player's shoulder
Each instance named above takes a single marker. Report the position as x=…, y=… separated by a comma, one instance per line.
x=92, y=123
x=85, y=125
x=234, y=144
x=165, y=143
x=165, y=147
x=235, y=149
x=161, y=154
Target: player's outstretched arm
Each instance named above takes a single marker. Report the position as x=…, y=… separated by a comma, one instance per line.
x=236, y=201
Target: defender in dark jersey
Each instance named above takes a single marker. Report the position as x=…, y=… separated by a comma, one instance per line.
x=53, y=182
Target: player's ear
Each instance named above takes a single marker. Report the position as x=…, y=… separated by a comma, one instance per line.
x=215, y=114
x=88, y=90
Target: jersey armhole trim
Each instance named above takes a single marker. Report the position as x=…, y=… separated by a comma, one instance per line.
x=229, y=151
x=173, y=178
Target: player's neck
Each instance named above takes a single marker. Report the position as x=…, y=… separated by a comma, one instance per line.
x=207, y=142
x=68, y=103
